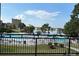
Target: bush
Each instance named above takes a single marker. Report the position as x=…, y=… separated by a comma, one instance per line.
x=61, y=45
x=56, y=44
x=50, y=44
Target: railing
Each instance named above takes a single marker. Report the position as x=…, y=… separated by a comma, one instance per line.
x=34, y=44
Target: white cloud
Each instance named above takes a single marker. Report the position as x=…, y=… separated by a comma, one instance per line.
x=42, y=14
x=20, y=16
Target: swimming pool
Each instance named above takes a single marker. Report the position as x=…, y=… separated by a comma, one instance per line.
x=20, y=38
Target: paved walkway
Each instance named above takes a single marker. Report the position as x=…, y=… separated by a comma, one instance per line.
x=77, y=50
x=74, y=49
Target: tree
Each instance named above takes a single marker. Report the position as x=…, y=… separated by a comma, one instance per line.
x=13, y=26
x=22, y=26
x=59, y=30
x=45, y=28
x=2, y=30
x=72, y=27
x=29, y=29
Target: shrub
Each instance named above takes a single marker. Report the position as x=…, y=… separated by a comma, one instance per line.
x=50, y=44
x=56, y=44
x=61, y=45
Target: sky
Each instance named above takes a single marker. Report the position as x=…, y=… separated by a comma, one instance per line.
x=37, y=14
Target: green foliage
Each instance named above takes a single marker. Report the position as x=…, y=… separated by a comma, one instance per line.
x=50, y=44
x=45, y=28
x=29, y=29
x=72, y=27
x=56, y=44
x=22, y=25
x=2, y=30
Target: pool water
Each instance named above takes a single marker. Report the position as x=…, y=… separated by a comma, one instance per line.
x=19, y=38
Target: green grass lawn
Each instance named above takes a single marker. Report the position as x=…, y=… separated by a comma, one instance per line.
x=31, y=49
x=17, y=49
x=46, y=49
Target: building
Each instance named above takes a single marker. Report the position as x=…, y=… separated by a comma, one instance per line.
x=9, y=25
x=51, y=31
x=2, y=25
x=1, y=22
x=37, y=29
x=16, y=22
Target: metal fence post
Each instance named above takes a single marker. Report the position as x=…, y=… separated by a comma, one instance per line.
x=36, y=47
x=69, y=46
